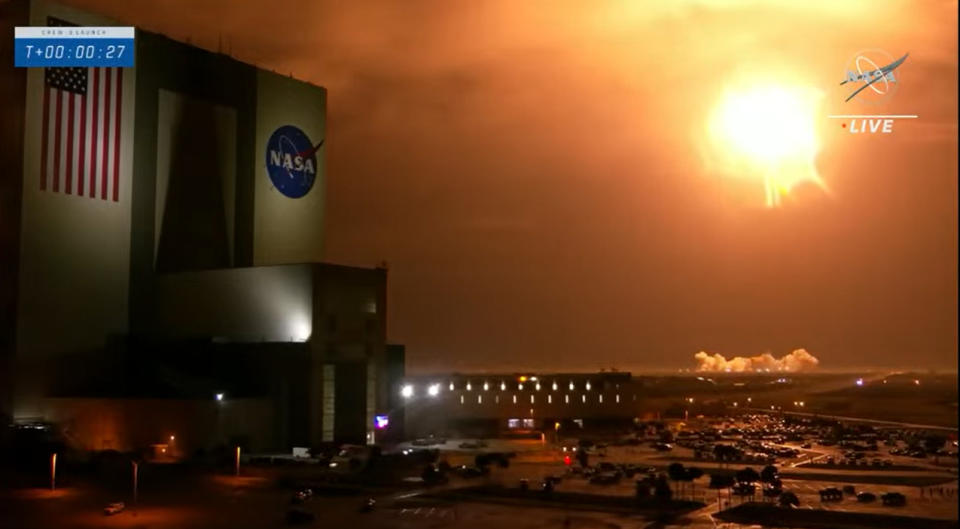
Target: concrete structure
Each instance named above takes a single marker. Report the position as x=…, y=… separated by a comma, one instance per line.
x=148, y=221
x=475, y=405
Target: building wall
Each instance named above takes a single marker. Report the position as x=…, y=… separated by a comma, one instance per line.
x=13, y=86
x=254, y=304
x=134, y=424
x=196, y=181
x=194, y=161
x=348, y=335
x=74, y=250
x=288, y=230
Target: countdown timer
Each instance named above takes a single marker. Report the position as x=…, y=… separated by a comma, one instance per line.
x=67, y=46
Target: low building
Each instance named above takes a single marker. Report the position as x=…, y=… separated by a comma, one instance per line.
x=481, y=405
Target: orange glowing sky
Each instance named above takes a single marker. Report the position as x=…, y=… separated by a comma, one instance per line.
x=541, y=176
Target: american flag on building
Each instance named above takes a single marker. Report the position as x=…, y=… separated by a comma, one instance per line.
x=81, y=130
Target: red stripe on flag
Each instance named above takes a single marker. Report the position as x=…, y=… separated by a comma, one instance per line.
x=69, y=180
x=82, y=146
x=106, y=133
x=46, y=134
x=116, y=139
x=56, y=142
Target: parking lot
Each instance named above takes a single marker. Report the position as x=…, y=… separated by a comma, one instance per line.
x=806, y=463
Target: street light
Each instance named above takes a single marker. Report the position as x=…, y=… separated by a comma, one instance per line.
x=219, y=397
x=433, y=390
x=406, y=391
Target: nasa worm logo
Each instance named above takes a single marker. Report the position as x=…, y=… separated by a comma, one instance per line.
x=872, y=70
x=292, y=161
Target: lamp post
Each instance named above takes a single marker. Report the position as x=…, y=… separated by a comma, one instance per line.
x=53, y=471
x=135, y=479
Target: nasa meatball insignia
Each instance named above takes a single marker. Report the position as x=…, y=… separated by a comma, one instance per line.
x=292, y=161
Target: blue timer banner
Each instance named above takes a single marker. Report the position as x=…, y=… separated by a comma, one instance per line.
x=73, y=47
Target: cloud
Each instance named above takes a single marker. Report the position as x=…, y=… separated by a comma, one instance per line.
x=798, y=360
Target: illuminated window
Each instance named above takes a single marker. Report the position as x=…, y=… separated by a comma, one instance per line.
x=566, y=399
x=486, y=386
x=578, y=422
x=528, y=424
x=554, y=385
x=617, y=398
x=531, y=399
x=520, y=387
x=600, y=398
x=503, y=386
x=571, y=385
x=469, y=387
x=537, y=387
x=513, y=423
x=451, y=386
x=479, y=399
x=549, y=399
x=588, y=385
x=514, y=399
x=461, y=399
x=583, y=399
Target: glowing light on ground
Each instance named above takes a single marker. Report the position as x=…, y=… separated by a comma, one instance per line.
x=768, y=133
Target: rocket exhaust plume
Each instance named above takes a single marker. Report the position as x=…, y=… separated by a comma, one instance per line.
x=798, y=360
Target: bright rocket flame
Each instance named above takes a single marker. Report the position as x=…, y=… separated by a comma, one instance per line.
x=768, y=132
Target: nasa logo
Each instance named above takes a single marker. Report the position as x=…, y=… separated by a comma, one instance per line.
x=292, y=161
x=875, y=69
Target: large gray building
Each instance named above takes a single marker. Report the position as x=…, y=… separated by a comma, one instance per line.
x=162, y=229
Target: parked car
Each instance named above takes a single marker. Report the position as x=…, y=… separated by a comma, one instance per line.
x=663, y=447
x=894, y=499
x=301, y=496
x=772, y=491
x=471, y=472
x=605, y=478
x=831, y=494
x=789, y=499
x=114, y=508
x=744, y=489
x=866, y=497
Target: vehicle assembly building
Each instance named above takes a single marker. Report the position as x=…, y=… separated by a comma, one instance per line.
x=162, y=255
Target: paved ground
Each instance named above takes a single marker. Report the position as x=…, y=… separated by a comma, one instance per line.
x=201, y=501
